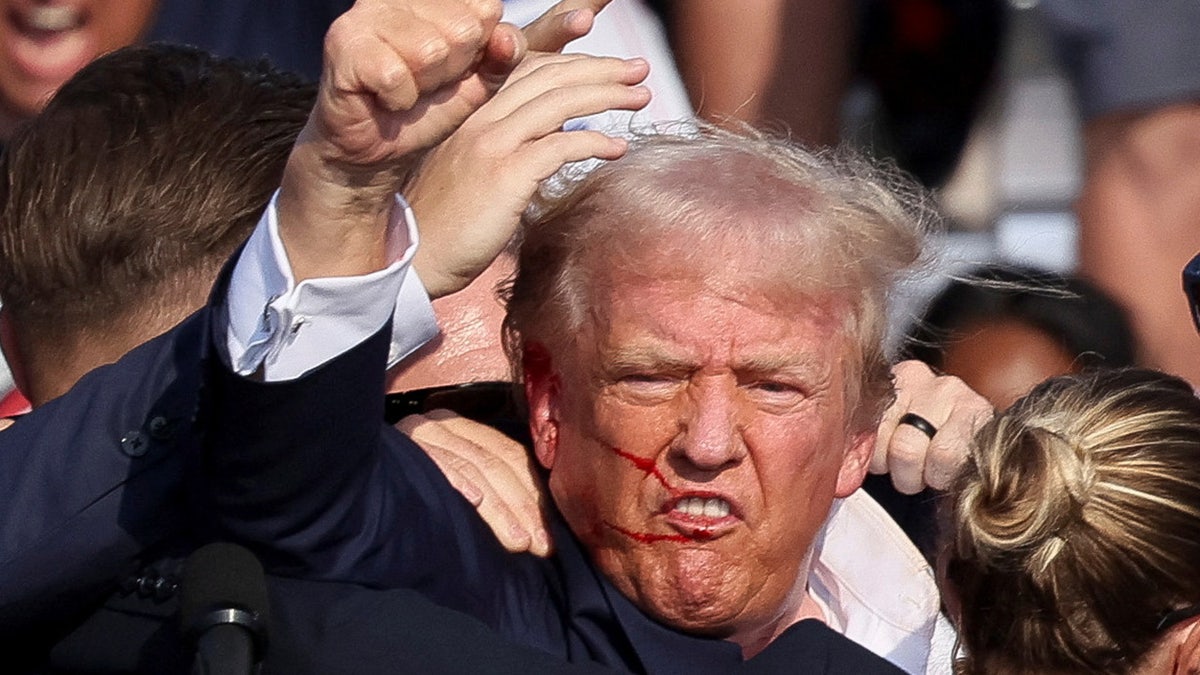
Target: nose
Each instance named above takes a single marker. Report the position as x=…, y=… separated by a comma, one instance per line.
x=710, y=437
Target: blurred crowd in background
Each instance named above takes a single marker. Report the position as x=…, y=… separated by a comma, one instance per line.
x=1059, y=135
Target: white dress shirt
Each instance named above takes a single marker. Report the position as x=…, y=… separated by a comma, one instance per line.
x=876, y=588
x=280, y=329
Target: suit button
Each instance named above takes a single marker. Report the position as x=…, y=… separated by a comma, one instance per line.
x=161, y=428
x=135, y=444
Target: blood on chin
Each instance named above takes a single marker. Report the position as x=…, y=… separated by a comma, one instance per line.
x=698, y=534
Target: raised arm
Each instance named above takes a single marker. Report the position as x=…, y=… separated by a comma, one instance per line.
x=312, y=488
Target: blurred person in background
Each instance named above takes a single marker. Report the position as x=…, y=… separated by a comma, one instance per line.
x=1135, y=67
x=1071, y=533
x=1004, y=329
x=44, y=42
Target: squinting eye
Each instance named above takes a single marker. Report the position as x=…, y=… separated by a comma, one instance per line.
x=647, y=378
x=648, y=382
x=775, y=387
x=649, y=387
x=775, y=393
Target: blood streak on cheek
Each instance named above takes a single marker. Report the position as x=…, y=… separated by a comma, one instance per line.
x=646, y=465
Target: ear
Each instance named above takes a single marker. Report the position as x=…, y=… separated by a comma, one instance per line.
x=1187, y=654
x=11, y=349
x=855, y=462
x=543, y=387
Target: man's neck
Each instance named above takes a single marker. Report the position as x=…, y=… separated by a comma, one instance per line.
x=753, y=643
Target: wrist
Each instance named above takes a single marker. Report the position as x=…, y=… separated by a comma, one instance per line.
x=332, y=222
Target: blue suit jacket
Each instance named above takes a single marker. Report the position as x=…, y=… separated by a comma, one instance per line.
x=95, y=495
x=88, y=521
x=92, y=480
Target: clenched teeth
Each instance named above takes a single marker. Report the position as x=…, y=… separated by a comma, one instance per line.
x=698, y=506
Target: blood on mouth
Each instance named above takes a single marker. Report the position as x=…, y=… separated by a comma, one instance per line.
x=647, y=466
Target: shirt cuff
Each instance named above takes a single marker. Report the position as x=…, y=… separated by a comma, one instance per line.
x=281, y=330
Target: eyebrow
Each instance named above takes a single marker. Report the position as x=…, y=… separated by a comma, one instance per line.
x=764, y=364
x=629, y=358
x=632, y=358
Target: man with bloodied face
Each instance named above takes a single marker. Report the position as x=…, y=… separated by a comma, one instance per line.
x=699, y=327
x=698, y=330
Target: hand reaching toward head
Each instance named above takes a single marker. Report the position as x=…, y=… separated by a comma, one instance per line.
x=474, y=186
x=481, y=178
x=915, y=458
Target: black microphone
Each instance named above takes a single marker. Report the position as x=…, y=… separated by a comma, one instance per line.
x=224, y=609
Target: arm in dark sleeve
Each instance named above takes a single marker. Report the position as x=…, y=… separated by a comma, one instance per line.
x=305, y=474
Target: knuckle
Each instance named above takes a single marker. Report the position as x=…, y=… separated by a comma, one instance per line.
x=906, y=451
x=488, y=462
x=487, y=11
x=457, y=464
x=553, y=67
x=466, y=30
x=341, y=32
x=391, y=76
x=953, y=385
x=510, y=451
x=947, y=457
x=430, y=52
x=907, y=485
x=557, y=98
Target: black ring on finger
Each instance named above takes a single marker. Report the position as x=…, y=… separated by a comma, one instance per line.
x=920, y=424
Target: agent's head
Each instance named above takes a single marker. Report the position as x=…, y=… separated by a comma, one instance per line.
x=1074, y=530
x=121, y=201
x=699, y=330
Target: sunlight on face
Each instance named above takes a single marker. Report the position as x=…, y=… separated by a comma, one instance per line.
x=698, y=441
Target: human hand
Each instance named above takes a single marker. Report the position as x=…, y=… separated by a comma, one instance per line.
x=6, y=422
x=491, y=470
x=565, y=21
x=398, y=77
x=956, y=412
x=473, y=188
